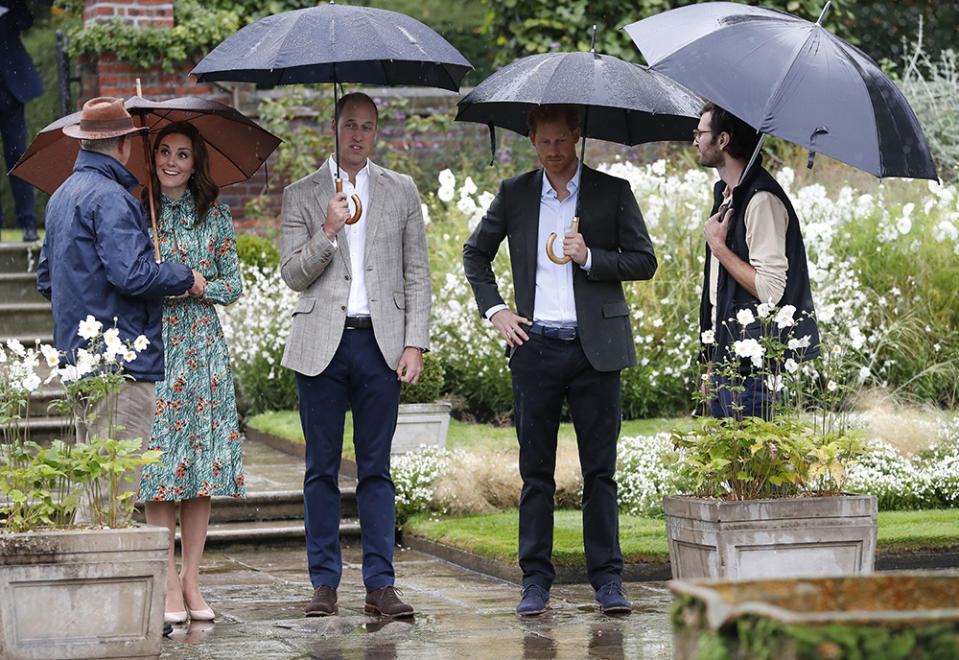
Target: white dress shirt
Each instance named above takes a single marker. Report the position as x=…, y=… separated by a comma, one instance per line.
x=358, y=303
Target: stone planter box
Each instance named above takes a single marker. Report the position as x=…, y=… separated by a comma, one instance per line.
x=774, y=538
x=891, y=615
x=421, y=424
x=83, y=593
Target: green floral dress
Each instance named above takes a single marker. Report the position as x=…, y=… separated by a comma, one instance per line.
x=195, y=425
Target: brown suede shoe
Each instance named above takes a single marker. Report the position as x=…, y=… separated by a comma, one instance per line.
x=323, y=603
x=386, y=602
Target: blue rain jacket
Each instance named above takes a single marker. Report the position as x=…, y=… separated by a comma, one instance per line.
x=97, y=259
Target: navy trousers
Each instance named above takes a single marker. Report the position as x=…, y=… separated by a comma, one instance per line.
x=546, y=372
x=357, y=376
x=13, y=131
x=756, y=399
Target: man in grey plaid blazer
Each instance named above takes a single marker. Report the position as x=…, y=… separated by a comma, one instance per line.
x=359, y=330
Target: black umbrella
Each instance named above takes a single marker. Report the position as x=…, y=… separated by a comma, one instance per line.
x=791, y=78
x=622, y=102
x=337, y=44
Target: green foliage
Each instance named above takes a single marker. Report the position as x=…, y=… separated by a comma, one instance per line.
x=257, y=251
x=526, y=27
x=430, y=384
x=197, y=29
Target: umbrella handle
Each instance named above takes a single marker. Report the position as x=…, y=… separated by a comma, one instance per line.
x=549, y=245
x=356, y=200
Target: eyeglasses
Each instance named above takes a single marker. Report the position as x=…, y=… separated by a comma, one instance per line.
x=698, y=133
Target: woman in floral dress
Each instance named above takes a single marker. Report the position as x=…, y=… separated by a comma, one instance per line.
x=196, y=423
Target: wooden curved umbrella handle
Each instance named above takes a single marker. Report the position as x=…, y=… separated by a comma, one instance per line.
x=549, y=245
x=356, y=200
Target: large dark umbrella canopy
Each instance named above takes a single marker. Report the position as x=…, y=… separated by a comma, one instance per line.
x=790, y=78
x=624, y=103
x=336, y=43
x=237, y=146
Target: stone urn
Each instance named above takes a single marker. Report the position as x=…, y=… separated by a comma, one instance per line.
x=421, y=424
x=755, y=539
x=68, y=594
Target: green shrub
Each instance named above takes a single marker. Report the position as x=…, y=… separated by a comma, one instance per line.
x=257, y=251
x=430, y=384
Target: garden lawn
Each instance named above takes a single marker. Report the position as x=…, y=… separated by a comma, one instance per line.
x=494, y=535
x=462, y=435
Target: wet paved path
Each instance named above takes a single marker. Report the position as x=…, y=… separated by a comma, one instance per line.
x=259, y=595
x=259, y=592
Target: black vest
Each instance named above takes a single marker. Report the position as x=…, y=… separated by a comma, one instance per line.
x=732, y=297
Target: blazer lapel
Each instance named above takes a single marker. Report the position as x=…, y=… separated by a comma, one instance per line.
x=322, y=192
x=372, y=218
x=529, y=228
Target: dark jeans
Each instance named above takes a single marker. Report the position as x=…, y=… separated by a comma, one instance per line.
x=756, y=399
x=545, y=372
x=359, y=376
x=13, y=131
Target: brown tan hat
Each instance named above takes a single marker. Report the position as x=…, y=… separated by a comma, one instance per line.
x=101, y=118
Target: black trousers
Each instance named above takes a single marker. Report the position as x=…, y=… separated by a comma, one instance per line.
x=546, y=372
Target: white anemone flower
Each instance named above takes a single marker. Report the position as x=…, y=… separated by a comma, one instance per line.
x=775, y=383
x=791, y=366
x=745, y=316
x=468, y=187
x=30, y=382
x=708, y=337
x=831, y=386
x=445, y=193
x=784, y=317
x=129, y=356
x=447, y=179
x=89, y=327
x=15, y=346
x=765, y=309
x=141, y=343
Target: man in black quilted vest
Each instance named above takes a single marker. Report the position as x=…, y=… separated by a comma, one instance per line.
x=755, y=260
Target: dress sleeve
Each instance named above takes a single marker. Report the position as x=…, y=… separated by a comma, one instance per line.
x=228, y=285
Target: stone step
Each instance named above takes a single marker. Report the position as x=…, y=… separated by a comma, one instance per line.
x=268, y=533
x=278, y=505
x=25, y=319
x=19, y=287
x=43, y=430
x=19, y=257
x=30, y=339
x=40, y=402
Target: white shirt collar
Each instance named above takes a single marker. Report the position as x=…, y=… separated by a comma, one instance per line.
x=365, y=172
x=572, y=185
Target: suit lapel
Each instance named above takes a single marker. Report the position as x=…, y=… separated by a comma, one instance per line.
x=529, y=217
x=372, y=218
x=323, y=190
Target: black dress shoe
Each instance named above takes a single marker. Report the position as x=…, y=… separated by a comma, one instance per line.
x=30, y=235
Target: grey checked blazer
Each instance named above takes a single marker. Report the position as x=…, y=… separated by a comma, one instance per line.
x=395, y=257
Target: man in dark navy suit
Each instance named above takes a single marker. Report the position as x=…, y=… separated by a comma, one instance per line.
x=19, y=83
x=569, y=338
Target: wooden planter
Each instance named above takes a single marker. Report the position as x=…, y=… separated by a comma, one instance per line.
x=885, y=615
x=803, y=536
x=83, y=593
x=421, y=424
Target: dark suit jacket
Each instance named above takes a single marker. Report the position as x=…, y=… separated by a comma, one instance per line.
x=16, y=68
x=613, y=230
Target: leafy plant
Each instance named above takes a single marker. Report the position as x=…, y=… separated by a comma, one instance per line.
x=44, y=486
x=430, y=384
x=777, y=453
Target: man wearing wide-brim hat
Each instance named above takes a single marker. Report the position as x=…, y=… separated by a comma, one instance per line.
x=97, y=260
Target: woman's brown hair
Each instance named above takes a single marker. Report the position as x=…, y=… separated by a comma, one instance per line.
x=200, y=183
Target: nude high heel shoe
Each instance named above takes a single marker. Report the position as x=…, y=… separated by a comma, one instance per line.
x=201, y=615
x=174, y=617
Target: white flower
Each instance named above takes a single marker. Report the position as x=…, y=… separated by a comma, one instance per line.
x=468, y=187
x=831, y=386
x=89, y=327
x=69, y=373
x=140, y=343
x=745, y=316
x=30, y=382
x=129, y=356
x=863, y=374
x=425, y=210
x=764, y=309
x=445, y=193
x=447, y=178
x=774, y=383
x=749, y=348
x=791, y=365
x=15, y=346
x=904, y=225
x=708, y=337
x=784, y=317
x=466, y=205
x=796, y=344
x=484, y=199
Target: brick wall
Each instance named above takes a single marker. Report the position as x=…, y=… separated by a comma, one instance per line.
x=141, y=13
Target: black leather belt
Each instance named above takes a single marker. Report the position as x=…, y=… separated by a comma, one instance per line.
x=553, y=332
x=359, y=323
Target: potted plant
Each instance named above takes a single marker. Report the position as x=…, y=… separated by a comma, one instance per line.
x=766, y=496
x=66, y=591
x=422, y=418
